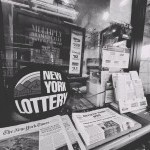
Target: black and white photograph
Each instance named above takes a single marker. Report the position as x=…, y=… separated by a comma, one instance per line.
x=74, y=74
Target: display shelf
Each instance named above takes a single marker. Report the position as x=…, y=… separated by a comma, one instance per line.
x=93, y=67
x=9, y=67
x=23, y=62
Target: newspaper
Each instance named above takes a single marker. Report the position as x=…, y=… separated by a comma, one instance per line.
x=129, y=91
x=76, y=142
x=115, y=57
x=97, y=125
x=46, y=134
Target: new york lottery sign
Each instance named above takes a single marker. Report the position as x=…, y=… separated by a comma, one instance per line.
x=40, y=92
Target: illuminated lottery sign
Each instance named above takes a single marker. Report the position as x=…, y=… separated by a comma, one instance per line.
x=40, y=92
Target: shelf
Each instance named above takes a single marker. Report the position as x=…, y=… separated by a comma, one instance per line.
x=9, y=67
x=34, y=63
x=7, y=59
x=93, y=67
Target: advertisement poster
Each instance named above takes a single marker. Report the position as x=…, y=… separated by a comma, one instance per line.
x=38, y=93
x=75, y=52
x=114, y=57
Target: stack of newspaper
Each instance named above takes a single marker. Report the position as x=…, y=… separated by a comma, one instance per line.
x=97, y=125
x=55, y=133
x=129, y=93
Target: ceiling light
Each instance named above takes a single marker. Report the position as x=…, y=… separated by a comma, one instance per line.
x=114, y=30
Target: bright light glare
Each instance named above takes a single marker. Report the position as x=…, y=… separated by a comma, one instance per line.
x=123, y=3
x=66, y=1
x=114, y=30
x=145, y=52
x=105, y=16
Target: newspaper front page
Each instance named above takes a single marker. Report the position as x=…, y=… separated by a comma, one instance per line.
x=46, y=134
x=100, y=124
x=129, y=91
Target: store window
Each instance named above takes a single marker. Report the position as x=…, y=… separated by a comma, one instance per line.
x=46, y=34
x=144, y=71
x=46, y=48
x=34, y=36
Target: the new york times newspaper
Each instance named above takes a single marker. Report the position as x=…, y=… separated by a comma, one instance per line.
x=46, y=134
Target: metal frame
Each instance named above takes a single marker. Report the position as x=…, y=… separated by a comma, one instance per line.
x=137, y=22
x=3, y=102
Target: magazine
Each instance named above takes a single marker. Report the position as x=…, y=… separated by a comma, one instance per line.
x=46, y=134
x=97, y=125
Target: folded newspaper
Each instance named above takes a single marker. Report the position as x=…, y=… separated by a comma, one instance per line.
x=55, y=133
x=97, y=125
x=129, y=93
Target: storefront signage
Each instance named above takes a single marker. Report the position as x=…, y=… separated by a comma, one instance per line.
x=43, y=39
x=75, y=52
x=46, y=44
x=46, y=35
x=40, y=92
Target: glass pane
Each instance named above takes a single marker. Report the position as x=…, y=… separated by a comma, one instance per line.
x=94, y=16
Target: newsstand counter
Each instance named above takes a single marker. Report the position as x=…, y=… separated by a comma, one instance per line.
x=117, y=141
x=132, y=136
